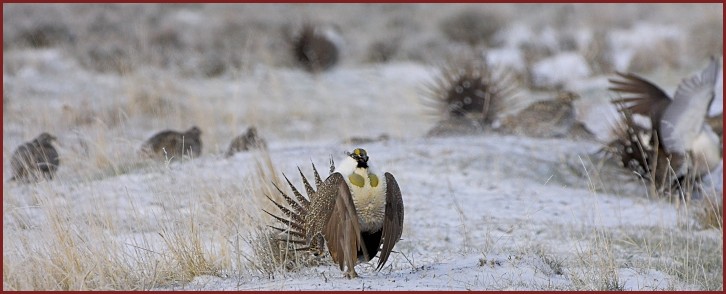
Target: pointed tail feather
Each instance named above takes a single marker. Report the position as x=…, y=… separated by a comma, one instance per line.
x=299, y=196
x=297, y=217
x=318, y=181
x=298, y=207
x=292, y=224
x=308, y=189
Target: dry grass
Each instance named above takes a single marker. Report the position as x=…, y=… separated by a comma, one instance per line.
x=76, y=250
x=709, y=213
x=693, y=259
x=258, y=248
x=186, y=249
x=271, y=257
x=596, y=266
x=210, y=230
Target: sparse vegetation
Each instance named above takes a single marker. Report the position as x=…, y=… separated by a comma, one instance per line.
x=709, y=212
x=103, y=78
x=691, y=258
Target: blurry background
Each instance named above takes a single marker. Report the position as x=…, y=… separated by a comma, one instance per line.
x=105, y=77
x=113, y=74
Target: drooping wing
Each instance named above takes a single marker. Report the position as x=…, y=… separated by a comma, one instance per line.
x=640, y=96
x=393, y=222
x=682, y=121
x=332, y=213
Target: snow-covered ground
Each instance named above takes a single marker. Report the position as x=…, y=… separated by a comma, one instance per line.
x=488, y=211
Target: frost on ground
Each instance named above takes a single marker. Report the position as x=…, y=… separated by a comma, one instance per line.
x=488, y=211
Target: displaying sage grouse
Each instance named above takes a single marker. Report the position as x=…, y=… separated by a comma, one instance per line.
x=314, y=48
x=468, y=96
x=172, y=145
x=631, y=147
x=682, y=135
x=354, y=211
x=35, y=160
x=247, y=141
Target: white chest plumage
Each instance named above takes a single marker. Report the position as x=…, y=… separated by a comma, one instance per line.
x=705, y=151
x=369, y=194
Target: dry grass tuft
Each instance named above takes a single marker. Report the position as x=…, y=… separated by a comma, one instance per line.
x=78, y=251
x=271, y=256
x=187, y=250
x=596, y=265
x=554, y=264
x=709, y=213
x=693, y=259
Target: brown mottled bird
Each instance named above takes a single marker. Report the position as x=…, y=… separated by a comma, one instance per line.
x=314, y=50
x=35, y=159
x=548, y=118
x=681, y=133
x=357, y=213
x=247, y=141
x=172, y=145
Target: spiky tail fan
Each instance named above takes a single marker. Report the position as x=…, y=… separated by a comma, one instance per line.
x=293, y=215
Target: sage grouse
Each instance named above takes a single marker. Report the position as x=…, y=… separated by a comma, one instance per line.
x=469, y=96
x=314, y=48
x=35, y=160
x=357, y=213
x=172, y=145
x=682, y=135
x=553, y=118
x=247, y=141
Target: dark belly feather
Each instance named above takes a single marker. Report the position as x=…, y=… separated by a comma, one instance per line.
x=372, y=242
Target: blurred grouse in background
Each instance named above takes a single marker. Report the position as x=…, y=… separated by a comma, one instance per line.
x=35, y=160
x=172, y=145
